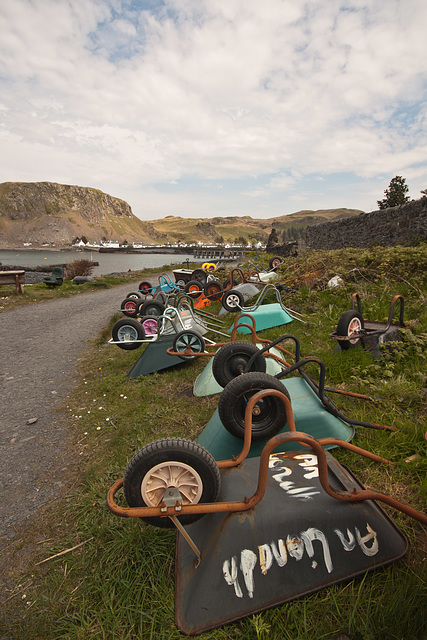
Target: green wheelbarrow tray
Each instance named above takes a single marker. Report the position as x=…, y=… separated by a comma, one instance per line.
x=310, y=417
x=267, y=316
x=295, y=541
x=206, y=385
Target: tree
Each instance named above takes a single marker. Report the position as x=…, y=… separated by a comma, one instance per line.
x=424, y=192
x=395, y=194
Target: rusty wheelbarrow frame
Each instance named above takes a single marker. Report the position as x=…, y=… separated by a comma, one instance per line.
x=319, y=387
x=184, y=344
x=171, y=505
x=352, y=328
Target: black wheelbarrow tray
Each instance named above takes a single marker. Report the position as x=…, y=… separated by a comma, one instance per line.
x=353, y=329
x=307, y=524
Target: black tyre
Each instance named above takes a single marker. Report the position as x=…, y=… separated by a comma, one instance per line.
x=130, y=306
x=151, y=308
x=185, y=338
x=171, y=463
x=200, y=275
x=269, y=415
x=145, y=287
x=275, y=261
x=232, y=301
x=136, y=295
x=127, y=332
x=213, y=290
x=349, y=323
x=230, y=361
x=194, y=288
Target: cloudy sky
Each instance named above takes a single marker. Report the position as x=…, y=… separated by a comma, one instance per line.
x=201, y=108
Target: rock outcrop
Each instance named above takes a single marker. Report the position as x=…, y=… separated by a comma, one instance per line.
x=40, y=212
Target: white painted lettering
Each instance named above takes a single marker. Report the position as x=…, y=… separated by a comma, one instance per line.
x=315, y=534
x=248, y=561
x=265, y=557
x=370, y=536
x=295, y=547
x=348, y=543
x=230, y=575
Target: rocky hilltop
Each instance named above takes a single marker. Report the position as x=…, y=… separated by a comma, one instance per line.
x=40, y=212
x=47, y=212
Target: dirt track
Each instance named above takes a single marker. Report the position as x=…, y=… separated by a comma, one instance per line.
x=41, y=346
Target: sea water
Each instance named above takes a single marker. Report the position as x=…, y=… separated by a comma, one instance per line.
x=108, y=262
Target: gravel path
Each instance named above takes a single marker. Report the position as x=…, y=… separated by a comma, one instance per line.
x=41, y=346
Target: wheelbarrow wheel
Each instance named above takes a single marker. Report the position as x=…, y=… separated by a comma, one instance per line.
x=171, y=463
x=127, y=332
x=200, y=275
x=145, y=287
x=269, y=415
x=151, y=308
x=275, y=261
x=188, y=338
x=150, y=326
x=232, y=301
x=130, y=306
x=230, y=361
x=194, y=288
x=213, y=290
x=349, y=323
x=136, y=295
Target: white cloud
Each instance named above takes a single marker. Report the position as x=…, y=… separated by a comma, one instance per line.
x=263, y=96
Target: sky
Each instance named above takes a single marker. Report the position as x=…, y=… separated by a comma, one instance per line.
x=202, y=108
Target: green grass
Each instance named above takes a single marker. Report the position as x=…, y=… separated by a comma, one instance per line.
x=120, y=583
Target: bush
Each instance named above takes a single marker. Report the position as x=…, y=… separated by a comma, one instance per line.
x=78, y=268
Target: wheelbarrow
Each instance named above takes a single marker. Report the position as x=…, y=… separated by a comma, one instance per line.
x=352, y=329
x=159, y=333
x=307, y=524
x=315, y=413
x=165, y=285
x=267, y=315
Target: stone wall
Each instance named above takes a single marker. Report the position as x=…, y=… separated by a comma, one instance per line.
x=406, y=223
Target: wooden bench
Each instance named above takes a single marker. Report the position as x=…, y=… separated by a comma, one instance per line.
x=13, y=277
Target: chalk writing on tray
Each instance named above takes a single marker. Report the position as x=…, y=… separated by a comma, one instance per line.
x=243, y=569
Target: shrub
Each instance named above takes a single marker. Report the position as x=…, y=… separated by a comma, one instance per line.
x=78, y=268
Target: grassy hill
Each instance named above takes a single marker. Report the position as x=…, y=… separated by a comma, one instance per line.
x=176, y=229
x=40, y=212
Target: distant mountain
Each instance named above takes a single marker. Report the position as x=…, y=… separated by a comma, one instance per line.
x=47, y=212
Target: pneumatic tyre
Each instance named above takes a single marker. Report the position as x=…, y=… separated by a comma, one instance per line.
x=171, y=463
x=275, y=261
x=213, y=290
x=350, y=322
x=194, y=288
x=232, y=301
x=190, y=338
x=127, y=333
x=269, y=415
x=130, y=306
x=231, y=359
x=151, y=308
